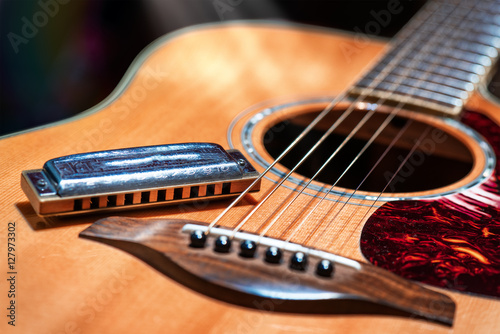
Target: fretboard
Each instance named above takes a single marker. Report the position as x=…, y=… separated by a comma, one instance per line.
x=439, y=58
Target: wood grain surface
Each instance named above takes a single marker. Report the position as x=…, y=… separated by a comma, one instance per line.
x=188, y=87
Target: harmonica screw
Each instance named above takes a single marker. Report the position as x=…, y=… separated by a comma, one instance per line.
x=241, y=162
x=41, y=184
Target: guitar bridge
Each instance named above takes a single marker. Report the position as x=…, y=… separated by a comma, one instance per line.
x=137, y=177
x=248, y=270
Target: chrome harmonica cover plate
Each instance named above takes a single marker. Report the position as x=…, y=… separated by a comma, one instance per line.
x=136, y=170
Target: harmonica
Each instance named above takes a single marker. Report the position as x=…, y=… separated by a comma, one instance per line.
x=137, y=177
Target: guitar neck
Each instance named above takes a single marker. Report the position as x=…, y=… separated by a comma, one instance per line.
x=439, y=59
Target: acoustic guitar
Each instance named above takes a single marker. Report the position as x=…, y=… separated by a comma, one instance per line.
x=374, y=203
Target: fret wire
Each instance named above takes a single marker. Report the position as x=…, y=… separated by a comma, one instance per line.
x=484, y=29
x=478, y=48
x=417, y=95
x=484, y=40
x=444, y=71
x=423, y=65
x=435, y=78
x=427, y=94
x=465, y=61
x=466, y=56
x=461, y=64
x=457, y=64
x=428, y=87
x=451, y=104
x=420, y=92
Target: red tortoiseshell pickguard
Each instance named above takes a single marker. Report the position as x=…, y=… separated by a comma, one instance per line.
x=452, y=242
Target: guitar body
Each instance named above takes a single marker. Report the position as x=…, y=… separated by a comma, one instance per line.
x=190, y=87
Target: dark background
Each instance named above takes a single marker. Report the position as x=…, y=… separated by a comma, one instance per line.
x=75, y=58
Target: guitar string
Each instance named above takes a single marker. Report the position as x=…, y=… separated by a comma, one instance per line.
x=379, y=160
x=330, y=130
x=330, y=158
x=379, y=77
x=366, y=93
x=405, y=160
x=417, y=143
x=306, y=131
x=370, y=141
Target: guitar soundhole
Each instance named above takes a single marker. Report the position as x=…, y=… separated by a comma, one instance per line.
x=439, y=160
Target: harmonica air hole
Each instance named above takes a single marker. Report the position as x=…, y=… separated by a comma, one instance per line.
x=145, y=197
x=129, y=199
x=177, y=193
x=111, y=201
x=94, y=202
x=211, y=190
x=226, y=188
x=194, y=192
x=77, y=206
x=162, y=195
